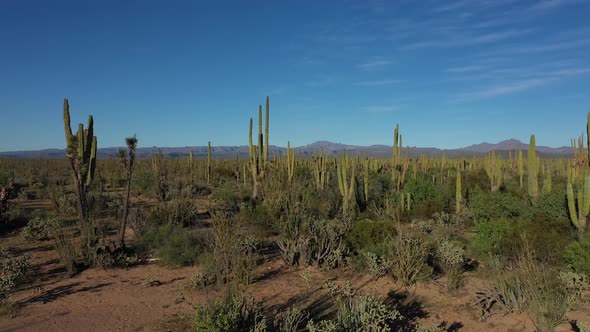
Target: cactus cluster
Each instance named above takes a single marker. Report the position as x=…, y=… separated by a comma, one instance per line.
x=579, y=205
x=346, y=169
x=259, y=155
x=533, y=169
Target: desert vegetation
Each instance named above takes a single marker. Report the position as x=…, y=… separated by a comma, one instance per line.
x=285, y=242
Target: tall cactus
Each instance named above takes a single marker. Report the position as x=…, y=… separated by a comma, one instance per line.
x=290, y=163
x=209, y=163
x=520, y=168
x=533, y=169
x=266, y=125
x=320, y=169
x=579, y=216
x=347, y=188
x=81, y=152
x=366, y=179
x=458, y=194
x=257, y=154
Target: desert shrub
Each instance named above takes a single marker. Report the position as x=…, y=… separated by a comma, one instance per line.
x=12, y=272
x=369, y=234
x=292, y=320
x=39, y=228
x=526, y=286
x=114, y=204
x=407, y=259
x=325, y=246
x=355, y=312
x=444, y=225
x=173, y=245
x=575, y=284
x=66, y=250
x=577, y=255
x=489, y=234
x=232, y=255
x=449, y=256
x=142, y=182
x=64, y=203
x=180, y=212
x=225, y=199
x=494, y=205
x=138, y=221
x=552, y=204
x=234, y=312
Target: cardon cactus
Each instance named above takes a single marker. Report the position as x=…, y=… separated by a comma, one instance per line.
x=579, y=215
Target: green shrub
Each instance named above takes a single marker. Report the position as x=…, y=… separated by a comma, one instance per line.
x=489, y=234
x=355, y=312
x=369, y=234
x=173, y=245
x=494, y=205
x=40, y=229
x=12, y=272
x=179, y=212
x=234, y=312
x=407, y=259
x=577, y=255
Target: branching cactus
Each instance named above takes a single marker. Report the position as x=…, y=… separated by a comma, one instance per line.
x=81, y=152
x=347, y=187
x=458, y=194
x=579, y=215
x=290, y=162
x=533, y=169
x=259, y=154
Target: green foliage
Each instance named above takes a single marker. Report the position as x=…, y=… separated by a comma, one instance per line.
x=577, y=255
x=12, y=272
x=368, y=234
x=489, y=234
x=39, y=228
x=494, y=205
x=407, y=259
x=355, y=312
x=173, y=245
x=179, y=212
x=234, y=312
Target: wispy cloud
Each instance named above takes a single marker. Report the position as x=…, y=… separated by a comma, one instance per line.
x=377, y=82
x=504, y=89
x=380, y=109
x=374, y=63
x=459, y=39
x=464, y=69
x=553, y=4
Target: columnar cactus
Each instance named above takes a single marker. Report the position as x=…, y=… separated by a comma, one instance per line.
x=127, y=161
x=533, y=169
x=366, y=179
x=257, y=154
x=580, y=215
x=81, y=152
x=458, y=194
x=208, y=163
x=320, y=169
x=347, y=188
x=290, y=162
x=520, y=168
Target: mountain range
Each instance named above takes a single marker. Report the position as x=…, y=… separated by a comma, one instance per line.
x=330, y=148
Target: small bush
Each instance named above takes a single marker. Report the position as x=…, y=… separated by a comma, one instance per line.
x=12, y=272
x=577, y=255
x=66, y=249
x=369, y=234
x=489, y=234
x=179, y=212
x=173, y=245
x=407, y=259
x=356, y=312
x=234, y=312
x=494, y=205
x=40, y=229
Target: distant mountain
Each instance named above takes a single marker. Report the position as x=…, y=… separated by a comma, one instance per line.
x=514, y=144
x=330, y=148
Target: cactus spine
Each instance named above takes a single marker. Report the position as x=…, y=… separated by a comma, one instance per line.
x=580, y=215
x=533, y=169
x=81, y=152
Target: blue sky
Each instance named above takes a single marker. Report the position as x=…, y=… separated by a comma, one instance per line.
x=179, y=73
